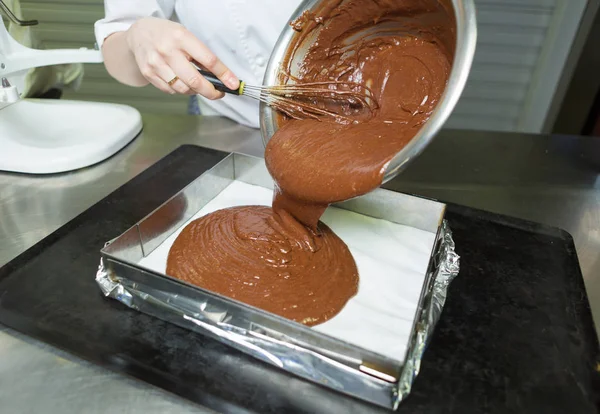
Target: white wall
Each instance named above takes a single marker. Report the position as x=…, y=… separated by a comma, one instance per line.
x=522, y=49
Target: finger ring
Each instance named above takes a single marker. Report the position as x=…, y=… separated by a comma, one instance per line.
x=172, y=81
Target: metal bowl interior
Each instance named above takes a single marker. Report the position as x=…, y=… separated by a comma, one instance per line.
x=464, y=31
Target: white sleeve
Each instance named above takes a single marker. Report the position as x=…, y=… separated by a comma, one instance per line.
x=119, y=15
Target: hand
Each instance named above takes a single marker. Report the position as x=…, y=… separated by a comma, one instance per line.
x=163, y=50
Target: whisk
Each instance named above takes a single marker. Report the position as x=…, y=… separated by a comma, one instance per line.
x=305, y=100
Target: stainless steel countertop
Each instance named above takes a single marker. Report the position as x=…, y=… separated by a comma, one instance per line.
x=552, y=180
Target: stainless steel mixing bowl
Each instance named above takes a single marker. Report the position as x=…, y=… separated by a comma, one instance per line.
x=465, y=30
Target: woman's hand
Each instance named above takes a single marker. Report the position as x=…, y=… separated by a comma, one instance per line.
x=160, y=51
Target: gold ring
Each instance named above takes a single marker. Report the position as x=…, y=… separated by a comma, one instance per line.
x=172, y=81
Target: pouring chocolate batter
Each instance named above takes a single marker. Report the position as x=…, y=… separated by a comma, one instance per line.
x=283, y=259
x=315, y=163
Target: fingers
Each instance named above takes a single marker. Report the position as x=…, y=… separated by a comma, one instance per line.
x=163, y=51
x=148, y=71
x=203, y=55
x=158, y=73
x=161, y=84
x=167, y=74
x=192, y=78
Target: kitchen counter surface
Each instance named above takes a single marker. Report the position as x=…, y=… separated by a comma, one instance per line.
x=554, y=180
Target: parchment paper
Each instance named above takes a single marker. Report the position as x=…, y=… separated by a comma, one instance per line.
x=392, y=261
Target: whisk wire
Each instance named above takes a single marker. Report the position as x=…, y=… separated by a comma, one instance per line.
x=305, y=99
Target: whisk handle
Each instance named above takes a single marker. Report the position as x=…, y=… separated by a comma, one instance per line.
x=220, y=86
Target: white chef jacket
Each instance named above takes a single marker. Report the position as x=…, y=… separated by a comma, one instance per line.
x=242, y=33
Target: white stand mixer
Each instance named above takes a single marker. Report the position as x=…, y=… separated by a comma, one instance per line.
x=40, y=136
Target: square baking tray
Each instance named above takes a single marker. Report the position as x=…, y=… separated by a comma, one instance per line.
x=293, y=347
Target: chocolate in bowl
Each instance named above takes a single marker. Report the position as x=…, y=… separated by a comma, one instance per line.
x=455, y=27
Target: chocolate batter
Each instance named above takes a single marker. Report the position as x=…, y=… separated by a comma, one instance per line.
x=265, y=257
x=318, y=162
x=266, y=260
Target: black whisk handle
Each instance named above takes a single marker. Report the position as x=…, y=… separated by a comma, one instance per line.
x=220, y=86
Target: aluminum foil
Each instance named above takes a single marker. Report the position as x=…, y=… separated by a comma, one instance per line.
x=284, y=351
x=446, y=265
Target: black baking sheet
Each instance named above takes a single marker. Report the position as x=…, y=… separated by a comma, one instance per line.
x=516, y=334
